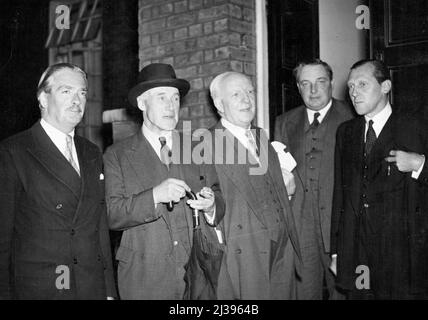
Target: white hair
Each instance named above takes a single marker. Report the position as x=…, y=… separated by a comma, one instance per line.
x=215, y=84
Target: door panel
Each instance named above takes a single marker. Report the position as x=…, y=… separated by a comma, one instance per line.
x=399, y=34
x=292, y=36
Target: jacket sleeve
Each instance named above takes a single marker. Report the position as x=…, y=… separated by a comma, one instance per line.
x=211, y=180
x=125, y=209
x=337, y=207
x=9, y=197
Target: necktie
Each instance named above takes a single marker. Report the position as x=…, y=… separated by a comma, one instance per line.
x=69, y=153
x=165, y=152
x=252, y=145
x=165, y=157
x=370, y=138
x=315, y=123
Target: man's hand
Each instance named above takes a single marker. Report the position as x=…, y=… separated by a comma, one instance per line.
x=289, y=182
x=205, y=201
x=170, y=190
x=405, y=161
x=333, y=264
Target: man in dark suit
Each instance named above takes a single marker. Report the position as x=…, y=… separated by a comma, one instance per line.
x=146, y=186
x=379, y=221
x=309, y=132
x=262, y=249
x=54, y=241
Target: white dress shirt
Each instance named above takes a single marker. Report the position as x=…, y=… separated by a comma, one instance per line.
x=59, y=139
x=322, y=112
x=240, y=134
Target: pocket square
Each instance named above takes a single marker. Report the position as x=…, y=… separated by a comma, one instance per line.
x=101, y=176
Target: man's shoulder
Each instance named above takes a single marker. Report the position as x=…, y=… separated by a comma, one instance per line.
x=344, y=109
x=18, y=141
x=122, y=145
x=291, y=114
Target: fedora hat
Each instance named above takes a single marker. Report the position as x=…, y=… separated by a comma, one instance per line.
x=157, y=75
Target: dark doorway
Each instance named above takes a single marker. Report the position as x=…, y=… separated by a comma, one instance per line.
x=400, y=38
x=292, y=36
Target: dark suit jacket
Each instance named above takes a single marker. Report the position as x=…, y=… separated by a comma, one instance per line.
x=147, y=267
x=247, y=272
x=398, y=209
x=290, y=129
x=50, y=217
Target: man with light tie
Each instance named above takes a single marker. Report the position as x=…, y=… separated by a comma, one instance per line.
x=54, y=240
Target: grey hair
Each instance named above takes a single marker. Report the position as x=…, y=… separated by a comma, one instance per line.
x=215, y=84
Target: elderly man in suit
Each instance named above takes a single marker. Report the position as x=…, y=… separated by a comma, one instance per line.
x=146, y=185
x=379, y=222
x=309, y=132
x=262, y=249
x=54, y=241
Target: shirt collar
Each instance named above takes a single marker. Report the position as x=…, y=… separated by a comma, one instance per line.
x=380, y=119
x=52, y=131
x=322, y=112
x=153, y=137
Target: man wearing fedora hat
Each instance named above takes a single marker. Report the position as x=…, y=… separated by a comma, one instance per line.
x=145, y=192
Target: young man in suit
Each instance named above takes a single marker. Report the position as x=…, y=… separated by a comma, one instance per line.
x=146, y=189
x=379, y=221
x=262, y=249
x=309, y=132
x=54, y=241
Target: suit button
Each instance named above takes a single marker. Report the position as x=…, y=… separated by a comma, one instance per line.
x=201, y=178
x=364, y=196
x=98, y=257
x=366, y=205
x=322, y=208
x=75, y=260
x=306, y=190
x=365, y=177
x=238, y=251
x=73, y=232
x=59, y=206
x=239, y=227
x=175, y=243
x=366, y=167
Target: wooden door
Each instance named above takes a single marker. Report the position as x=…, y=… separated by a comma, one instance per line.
x=399, y=37
x=292, y=36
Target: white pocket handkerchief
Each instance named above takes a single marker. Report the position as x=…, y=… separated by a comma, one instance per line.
x=101, y=176
x=286, y=160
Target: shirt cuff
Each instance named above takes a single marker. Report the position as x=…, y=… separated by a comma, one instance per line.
x=210, y=219
x=416, y=174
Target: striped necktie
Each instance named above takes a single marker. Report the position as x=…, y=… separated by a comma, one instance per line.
x=69, y=153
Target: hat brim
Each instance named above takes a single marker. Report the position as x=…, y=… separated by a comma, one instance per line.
x=182, y=85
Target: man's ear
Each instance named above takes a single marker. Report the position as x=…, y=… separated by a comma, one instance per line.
x=218, y=103
x=386, y=86
x=43, y=100
x=140, y=103
x=332, y=83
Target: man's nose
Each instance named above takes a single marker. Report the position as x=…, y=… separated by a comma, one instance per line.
x=76, y=99
x=353, y=92
x=314, y=87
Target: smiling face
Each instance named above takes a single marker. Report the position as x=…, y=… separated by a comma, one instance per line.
x=64, y=104
x=160, y=108
x=314, y=86
x=368, y=96
x=236, y=100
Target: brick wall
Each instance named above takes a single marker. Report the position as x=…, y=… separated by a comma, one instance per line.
x=200, y=39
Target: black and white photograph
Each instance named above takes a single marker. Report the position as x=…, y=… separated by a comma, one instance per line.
x=197, y=152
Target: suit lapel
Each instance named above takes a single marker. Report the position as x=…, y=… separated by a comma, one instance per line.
x=238, y=174
x=146, y=165
x=45, y=151
x=87, y=163
x=296, y=132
